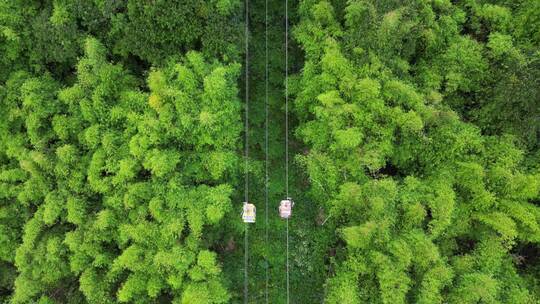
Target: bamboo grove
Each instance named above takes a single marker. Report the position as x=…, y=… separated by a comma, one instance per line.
x=414, y=145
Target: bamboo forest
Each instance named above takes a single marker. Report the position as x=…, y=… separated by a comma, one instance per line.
x=265, y=151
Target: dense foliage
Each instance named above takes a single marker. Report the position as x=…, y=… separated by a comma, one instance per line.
x=430, y=209
x=414, y=147
x=113, y=203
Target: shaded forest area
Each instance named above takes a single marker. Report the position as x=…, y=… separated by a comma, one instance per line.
x=414, y=151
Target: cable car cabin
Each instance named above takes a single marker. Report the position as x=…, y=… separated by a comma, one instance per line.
x=285, y=208
x=249, y=213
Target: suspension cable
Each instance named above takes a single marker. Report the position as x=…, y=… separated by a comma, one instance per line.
x=287, y=261
x=246, y=263
x=246, y=126
x=246, y=172
x=287, y=97
x=287, y=127
x=266, y=144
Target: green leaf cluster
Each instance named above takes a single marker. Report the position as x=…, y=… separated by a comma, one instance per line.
x=113, y=186
x=430, y=209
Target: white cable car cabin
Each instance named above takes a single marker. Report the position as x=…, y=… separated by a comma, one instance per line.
x=285, y=208
x=249, y=213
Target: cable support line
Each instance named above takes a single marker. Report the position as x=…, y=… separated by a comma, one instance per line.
x=266, y=146
x=287, y=128
x=287, y=261
x=246, y=114
x=287, y=97
x=246, y=263
x=246, y=189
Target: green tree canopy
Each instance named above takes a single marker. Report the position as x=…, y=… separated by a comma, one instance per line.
x=429, y=208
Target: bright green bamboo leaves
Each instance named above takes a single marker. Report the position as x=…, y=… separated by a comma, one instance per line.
x=178, y=210
x=125, y=183
x=405, y=180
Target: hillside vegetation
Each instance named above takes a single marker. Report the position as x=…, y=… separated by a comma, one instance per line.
x=414, y=147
